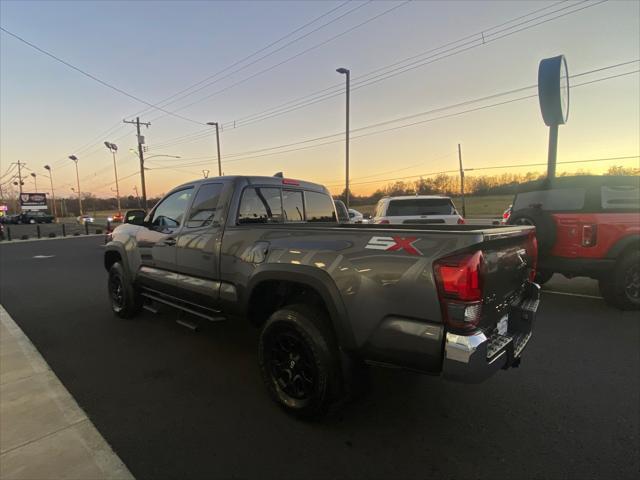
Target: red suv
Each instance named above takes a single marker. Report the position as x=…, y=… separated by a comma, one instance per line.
x=587, y=226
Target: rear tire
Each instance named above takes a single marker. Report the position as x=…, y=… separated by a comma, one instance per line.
x=546, y=230
x=126, y=302
x=299, y=361
x=621, y=289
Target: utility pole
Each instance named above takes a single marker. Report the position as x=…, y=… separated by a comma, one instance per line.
x=141, y=155
x=135, y=188
x=464, y=206
x=218, y=145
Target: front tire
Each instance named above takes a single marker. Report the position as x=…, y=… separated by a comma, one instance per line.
x=126, y=302
x=621, y=289
x=299, y=361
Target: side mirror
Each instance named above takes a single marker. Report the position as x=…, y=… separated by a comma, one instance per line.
x=135, y=217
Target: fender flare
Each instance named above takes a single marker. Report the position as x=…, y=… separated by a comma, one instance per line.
x=314, y=278
x=118, y=248
x=622, y=244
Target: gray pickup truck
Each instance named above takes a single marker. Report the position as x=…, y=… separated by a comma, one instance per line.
x=330, y=298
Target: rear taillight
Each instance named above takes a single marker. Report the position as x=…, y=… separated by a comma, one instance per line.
x=459, y=280
x=383, y=222
x=589, y=235
x=460, y=221
x=532, y=253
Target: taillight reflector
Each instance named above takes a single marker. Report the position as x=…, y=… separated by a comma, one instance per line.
x=589, y=235
x=382, y=222
x=460, y=221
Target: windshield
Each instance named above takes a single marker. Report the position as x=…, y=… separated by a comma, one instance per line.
x=420, y=206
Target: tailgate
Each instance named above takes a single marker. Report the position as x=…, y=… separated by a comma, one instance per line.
x=509, y=258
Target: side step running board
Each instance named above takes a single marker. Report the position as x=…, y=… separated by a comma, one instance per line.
x=159, y=299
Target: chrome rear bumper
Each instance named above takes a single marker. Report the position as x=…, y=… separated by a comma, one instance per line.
x=473, y=358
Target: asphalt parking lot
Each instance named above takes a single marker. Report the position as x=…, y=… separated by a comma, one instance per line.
x=177, y=404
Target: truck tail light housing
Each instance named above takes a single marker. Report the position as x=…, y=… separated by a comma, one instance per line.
x=589, y=235
x=459, y=281
x=383, y=222
x=460, y=221
x=532, y=253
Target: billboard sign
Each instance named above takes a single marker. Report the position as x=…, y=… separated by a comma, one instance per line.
x=33, y=201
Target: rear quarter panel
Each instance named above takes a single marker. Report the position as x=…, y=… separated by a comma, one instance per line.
x=373, y=283
x=611, y=227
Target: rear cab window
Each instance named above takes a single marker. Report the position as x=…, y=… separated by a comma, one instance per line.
x=420, y=206
x=275, y=205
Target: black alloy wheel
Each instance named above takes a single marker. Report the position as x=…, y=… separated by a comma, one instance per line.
x=632, y=283
x=291, y=363
x=116, y=292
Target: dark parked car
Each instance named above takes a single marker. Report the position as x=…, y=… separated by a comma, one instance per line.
x=587, y=226
x=32, y=217
x=450, y=300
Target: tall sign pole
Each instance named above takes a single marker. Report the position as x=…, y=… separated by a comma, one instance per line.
x=553, y=94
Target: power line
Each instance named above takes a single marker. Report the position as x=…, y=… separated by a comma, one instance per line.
x=480, y=41
x=481, y=38
x=389, y=10
x=339, y=86
x=238, y=156
x=255, y=53
x=94, y=78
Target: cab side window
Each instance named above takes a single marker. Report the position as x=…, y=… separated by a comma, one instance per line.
x=204, y=208
x=169, y=213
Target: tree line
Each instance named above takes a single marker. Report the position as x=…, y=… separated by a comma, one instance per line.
x=478, y=185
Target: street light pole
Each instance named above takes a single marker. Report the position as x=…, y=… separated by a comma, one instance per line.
x=113, y=148
x=75, y=160
x=35, y=181
x=53, y=195
x=218, y=145
x=347, y=73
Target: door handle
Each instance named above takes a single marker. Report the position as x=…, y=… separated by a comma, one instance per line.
x=170, y=242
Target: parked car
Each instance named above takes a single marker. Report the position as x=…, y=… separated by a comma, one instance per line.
x=82, y=219
x=116, y=218
x=417, y=209
x=2, y=231
x=31, y=217
x=355, y=216
x=587, y=226
x=450, y=300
